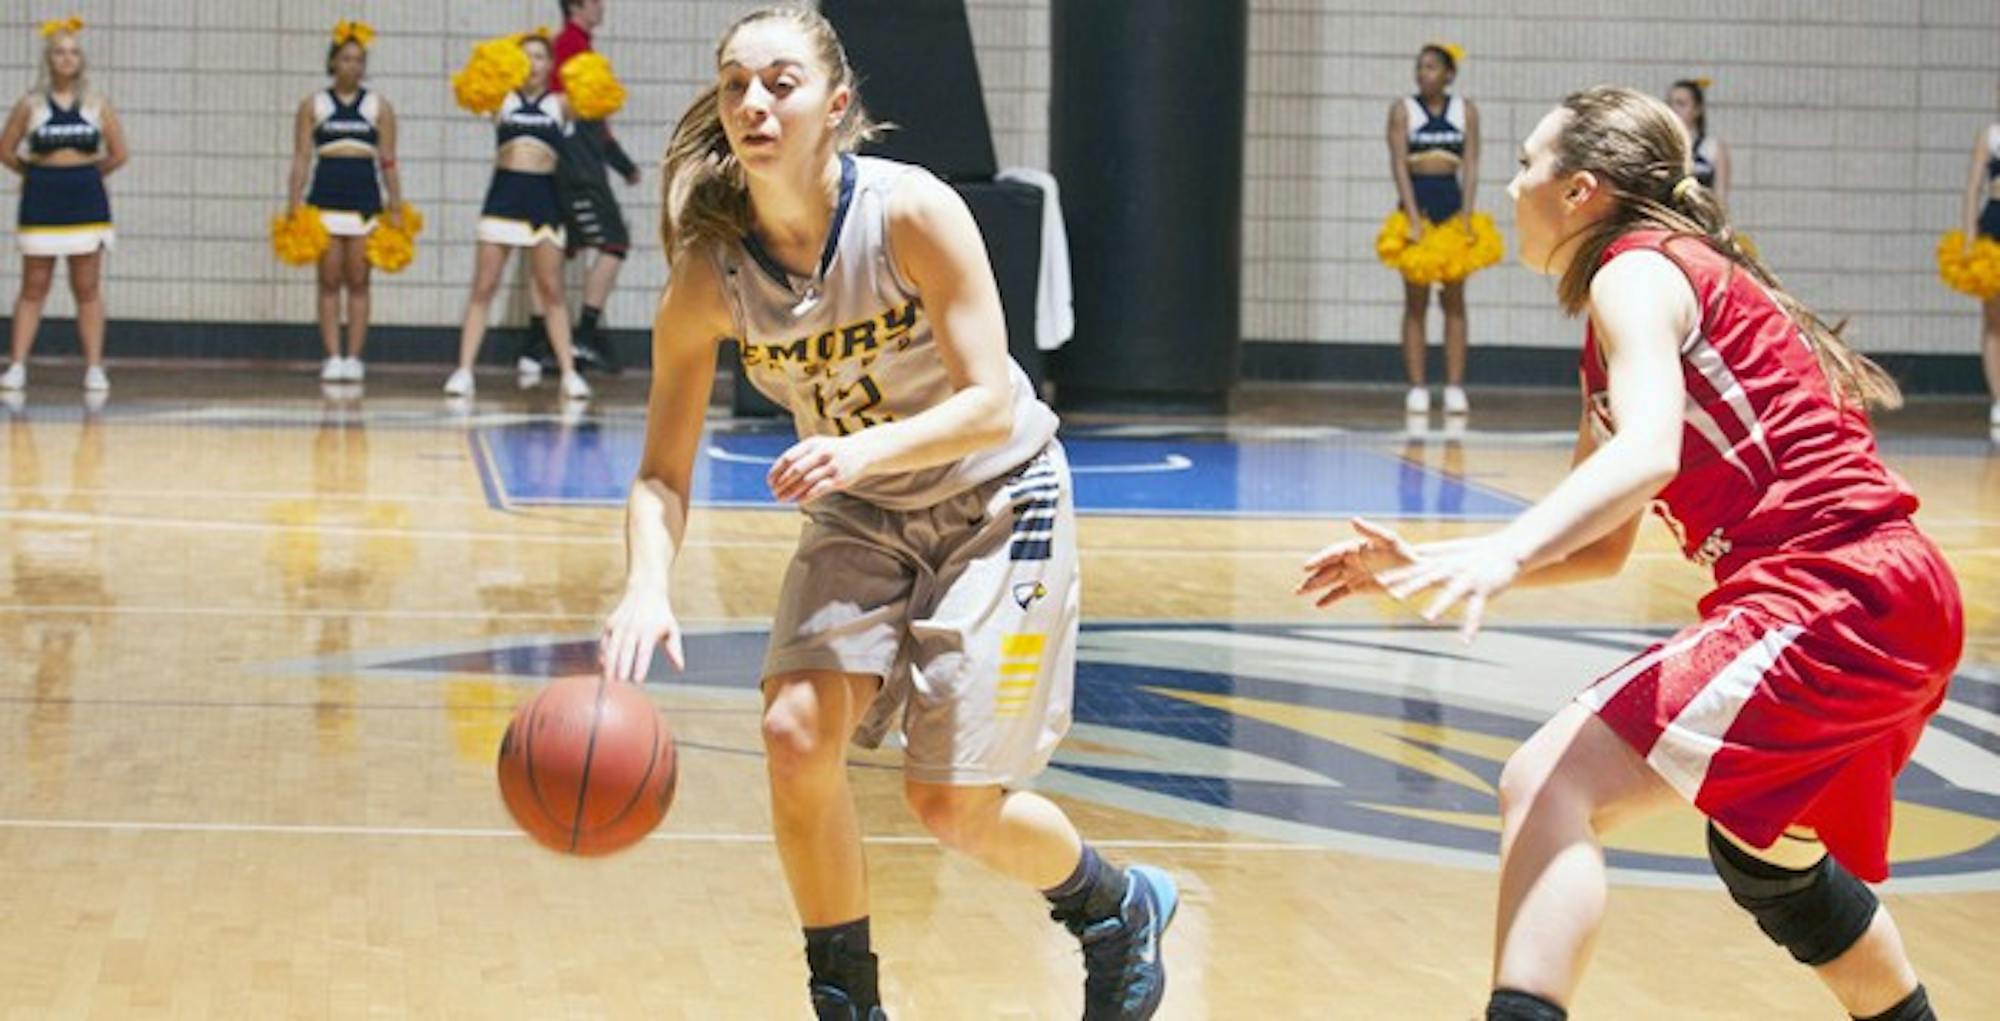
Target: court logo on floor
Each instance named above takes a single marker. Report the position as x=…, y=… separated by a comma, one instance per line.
x=1371, y=739
x=1390, y=741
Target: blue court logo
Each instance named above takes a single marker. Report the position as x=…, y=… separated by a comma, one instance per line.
x=1390, y=741
x=1373, y=739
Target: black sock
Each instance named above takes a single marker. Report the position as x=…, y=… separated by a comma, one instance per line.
x=1915, y=1007
x=839, y=957
x=1515, y=1005
x=1093, y=892
x=587, y=323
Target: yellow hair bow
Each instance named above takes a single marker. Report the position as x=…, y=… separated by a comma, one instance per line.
x=538, y=32
x=1705, y=83
x=72, y=24
x=1456, y=51
x=354, y=31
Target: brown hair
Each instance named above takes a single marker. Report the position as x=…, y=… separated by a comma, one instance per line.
x=1638, y=148
x=333, y=52
x=704, y=196
x=1700, y=94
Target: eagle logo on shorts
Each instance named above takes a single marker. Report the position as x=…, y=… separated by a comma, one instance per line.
x=1025, y=593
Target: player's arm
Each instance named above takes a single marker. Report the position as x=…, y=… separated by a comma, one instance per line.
x=302, y=153
x=385, y=155
x=1352, y=566
x=1399, y=160
x=690, y=320
x=1975, y=184
x=1468, y=170
x=616, y=156
x=1641, y=306
x=1601, y=558
x=115, y=153
x=11, y=135
x=938, y=248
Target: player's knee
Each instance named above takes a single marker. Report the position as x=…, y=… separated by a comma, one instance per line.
x=952, y=815
x=795, y=751
x=1816, y=913
x=1522, y=781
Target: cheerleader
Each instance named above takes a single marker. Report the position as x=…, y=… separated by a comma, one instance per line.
x=74, y=143
x=1982, y=219
x=522, y=211
x=1689, y=100
x=1434, y=158
x=352, y=133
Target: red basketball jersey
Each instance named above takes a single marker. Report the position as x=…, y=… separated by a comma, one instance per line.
x=1771, y=457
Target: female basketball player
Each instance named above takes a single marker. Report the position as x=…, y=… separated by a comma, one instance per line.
x=74, y=143
x=352, y=131
x=1786, y=712
x=1982, y=217
x=1689, y=100
x=935, y=583
x=522, y=211
x=1434, y=160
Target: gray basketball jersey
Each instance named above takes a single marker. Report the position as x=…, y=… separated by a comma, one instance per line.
x=854, y=350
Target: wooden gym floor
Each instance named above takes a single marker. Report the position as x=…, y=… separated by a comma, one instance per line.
x=260, y=642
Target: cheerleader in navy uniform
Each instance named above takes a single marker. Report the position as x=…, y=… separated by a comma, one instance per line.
x=1982, y=219
x=1689, y=100
x=1434, y=157
x=352, y=132
x=522, y=211
x=74, y=143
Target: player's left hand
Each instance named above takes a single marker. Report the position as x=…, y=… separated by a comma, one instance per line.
x=818, y=465
x=1472, y=572
x=633, y=177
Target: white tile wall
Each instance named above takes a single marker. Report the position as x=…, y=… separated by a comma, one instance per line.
x=1850, y=122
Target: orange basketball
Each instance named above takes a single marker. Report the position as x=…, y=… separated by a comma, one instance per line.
x=587, y=766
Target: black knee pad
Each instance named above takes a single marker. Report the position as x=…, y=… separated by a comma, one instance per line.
x=1914, y=1007
x=1816, y=914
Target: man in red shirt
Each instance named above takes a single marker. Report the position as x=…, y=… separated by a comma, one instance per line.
x=590, y=209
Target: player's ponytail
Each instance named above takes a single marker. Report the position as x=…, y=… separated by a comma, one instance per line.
x=1640, y=150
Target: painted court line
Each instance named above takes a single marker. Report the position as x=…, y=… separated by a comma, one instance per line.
x=487, y=833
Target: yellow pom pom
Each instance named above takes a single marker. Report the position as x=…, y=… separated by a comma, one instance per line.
x=390, y=248
x=392, y=245
x=594, y=92
x=300, y=238
x=496, y=67
x=1443, y=253
x=72, y=25
x=1393, y=238
x=1972, y=270
x=354, y=31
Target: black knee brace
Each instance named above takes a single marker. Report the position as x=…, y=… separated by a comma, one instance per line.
x=1816, y=914
x=1914, y=1007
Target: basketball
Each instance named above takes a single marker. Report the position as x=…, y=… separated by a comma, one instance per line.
x=587, y=766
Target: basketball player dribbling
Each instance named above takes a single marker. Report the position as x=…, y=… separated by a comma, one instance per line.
x=935, y=584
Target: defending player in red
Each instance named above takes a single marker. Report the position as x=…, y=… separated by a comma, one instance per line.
x=1786, y=712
